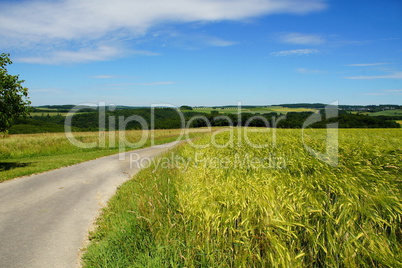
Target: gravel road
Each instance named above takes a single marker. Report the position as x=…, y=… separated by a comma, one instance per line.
x=44, y=218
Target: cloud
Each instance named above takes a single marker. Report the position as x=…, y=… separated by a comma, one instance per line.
x=101, y=53
x=54, y=26
x=295, y=52
x=213, y=41
x=367, y=64
x=396, y=75
x=391, y=92
x=178, y=39
x=309, y=71
x=301, y=39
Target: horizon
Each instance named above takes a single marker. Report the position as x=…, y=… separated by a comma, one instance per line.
x=205, y=53
x=206, y=106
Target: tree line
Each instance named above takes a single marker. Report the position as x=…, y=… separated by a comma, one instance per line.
x=169, y=118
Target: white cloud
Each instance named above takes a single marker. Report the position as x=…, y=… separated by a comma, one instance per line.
x=396, y=75
x=102, y=53
x=55, y=26
x=181, y=40
x=213, y=41
x=367, y=64
x=295, y=52
x=301, y=39
x=309, y=71
x=391, y=92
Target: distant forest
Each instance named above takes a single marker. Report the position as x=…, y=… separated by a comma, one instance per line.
x=52, y=118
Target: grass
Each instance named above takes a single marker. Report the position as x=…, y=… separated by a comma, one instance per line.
x=28, y=154
x=396, y=112
x=277, y=206
x=399, y=122
x=50, y=113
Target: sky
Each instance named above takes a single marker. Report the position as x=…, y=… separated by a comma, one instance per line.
x=205, y=52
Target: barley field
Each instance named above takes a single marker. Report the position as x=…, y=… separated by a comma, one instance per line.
x=277, y=206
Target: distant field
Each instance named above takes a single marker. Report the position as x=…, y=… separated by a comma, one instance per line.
x=399, y=122
x=242, y=206
x=397, y=112
x=260, y=110
x=50, y=113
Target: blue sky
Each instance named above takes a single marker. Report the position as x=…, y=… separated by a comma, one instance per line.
x=205, y=52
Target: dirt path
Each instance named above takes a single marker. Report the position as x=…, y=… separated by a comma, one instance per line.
x=44, y=218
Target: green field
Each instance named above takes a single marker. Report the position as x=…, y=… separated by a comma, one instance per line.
x=28, y=154
x=396, y=112
x=47, y=114
x=260, y=110
x=277, y=206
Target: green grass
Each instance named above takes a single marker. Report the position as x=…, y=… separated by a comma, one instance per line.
x=291, y=210
x=50, y=113
x=399, y=122
x=396, y=112
x=28, y=154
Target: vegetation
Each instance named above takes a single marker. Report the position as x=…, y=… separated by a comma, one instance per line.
x=87, y=119
x=13, y=96
x=28, y=154
x=186, y=107
x=396, y=112
x=278, y=206
x=252, y=110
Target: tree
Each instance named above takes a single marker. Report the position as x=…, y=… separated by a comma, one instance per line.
x=14, y=100
x=186, y=107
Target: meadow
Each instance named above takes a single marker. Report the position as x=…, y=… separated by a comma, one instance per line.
x=236, y=205
x=396, y=112
x=26, y=154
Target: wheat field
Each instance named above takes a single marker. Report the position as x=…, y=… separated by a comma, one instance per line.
x=277, y=206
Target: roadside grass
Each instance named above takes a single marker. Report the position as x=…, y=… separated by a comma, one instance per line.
x=227, y=209
x=27, y=154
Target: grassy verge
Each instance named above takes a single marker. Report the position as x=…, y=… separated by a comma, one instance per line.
x=34, y=153
x=277, y=206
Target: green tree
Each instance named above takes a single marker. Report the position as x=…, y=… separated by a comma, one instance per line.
x=186, y=107
x=14, y=100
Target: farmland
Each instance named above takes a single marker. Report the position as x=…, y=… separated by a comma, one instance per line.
x=254, y=110
x=28, y=154
x=396, y=112
x=237, y=205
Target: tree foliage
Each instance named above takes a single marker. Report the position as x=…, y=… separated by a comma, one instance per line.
x=14, y=100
